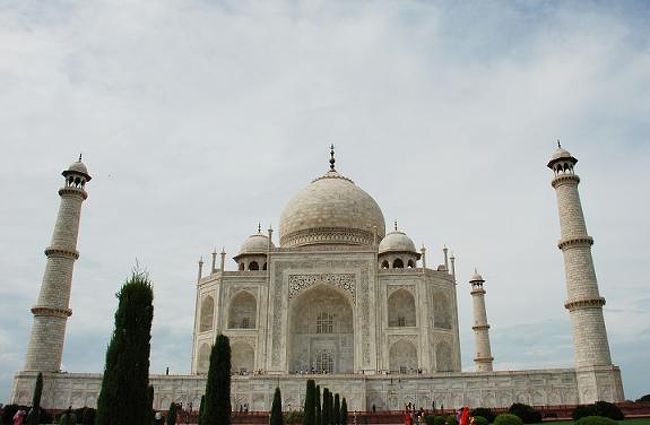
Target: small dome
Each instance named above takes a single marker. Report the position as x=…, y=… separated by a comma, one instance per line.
x=561, y=154
x=396, y=241
x=255, y=244
x=477, y=277
x=78, y=167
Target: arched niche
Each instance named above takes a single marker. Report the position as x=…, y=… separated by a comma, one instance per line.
x=242, y=358
x=242, y=313
x=403, y=357
x=203, y=359
x=207, y=314
x=322, y=332
x=443, y=357
x=441, y=311
x=401, y=309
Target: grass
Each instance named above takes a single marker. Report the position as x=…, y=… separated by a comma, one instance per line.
x=634, y=421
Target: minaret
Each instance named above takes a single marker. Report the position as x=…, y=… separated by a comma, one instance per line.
x=483, y=358
x=52, y=310
x=597, y=378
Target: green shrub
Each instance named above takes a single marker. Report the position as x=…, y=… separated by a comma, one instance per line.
x=429, y=420
x=526, y=413
x=600, y=408
x=294, y=417
x=439, y=420
x=484, y=412
x=508, y=419
x=583, y=411
x=480, y=420
x=609, y=410
x=451, y=420
x=595, y=420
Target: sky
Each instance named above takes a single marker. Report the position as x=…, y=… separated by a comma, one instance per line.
x=199, y=119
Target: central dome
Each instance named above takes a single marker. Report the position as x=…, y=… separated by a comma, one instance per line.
x=331, y=210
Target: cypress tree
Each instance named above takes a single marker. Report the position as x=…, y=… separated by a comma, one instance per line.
x=171, y=414
x=331, y=406
x=201, y=409
x=35, y=415
x=124, y=396
x=325, y=416
x=344, y=412
x=309, y=417
x=276, y=408
x=337, y=410
x=317, y=408
x=217, y=390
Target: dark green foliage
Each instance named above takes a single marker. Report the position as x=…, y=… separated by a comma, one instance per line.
x=526, y=413
x=35, y=414
x=295, y=417
x=85, y=415
x=480, y=420
x=609, y=410
x=217, y=391
x=645, y=398
x=310, y=404
x=337, y=410
x=68, y=417
x=152, y=412
x=276, y=408
x=439, y=420
x=507, y=419
x=330, y=404
x=595, y=420
x=201, y=409
x=172, y=414
x=317, y=407
x=583, y=411
x=451, y=420
x=124, y=398
x=325, y=415
x=429, y=420
x=600, y=408
x=344, y=412
x=484, y=412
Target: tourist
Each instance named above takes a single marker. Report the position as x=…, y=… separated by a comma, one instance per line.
x=19, y=417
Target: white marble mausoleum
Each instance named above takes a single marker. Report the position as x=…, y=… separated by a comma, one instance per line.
x=337, y=297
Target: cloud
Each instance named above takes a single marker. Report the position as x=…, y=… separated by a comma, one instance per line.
x=198, y=119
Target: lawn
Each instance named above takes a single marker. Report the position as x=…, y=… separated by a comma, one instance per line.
x=635, y=421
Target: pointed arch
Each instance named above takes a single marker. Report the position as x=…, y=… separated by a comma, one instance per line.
x=242, y=313
x=443, y=357
x=401, y=309
x=207, y=314
x=403, y=357
x=243, y=358
x=203, y=359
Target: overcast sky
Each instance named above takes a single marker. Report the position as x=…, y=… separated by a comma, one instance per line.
x=198, y=119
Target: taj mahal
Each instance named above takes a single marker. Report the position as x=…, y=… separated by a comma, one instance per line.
x=340, y=297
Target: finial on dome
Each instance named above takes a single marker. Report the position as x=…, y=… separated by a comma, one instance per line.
x=396, y=225
x=559, y=145
x=259, y=227
x=332, y=160
x=80, y=155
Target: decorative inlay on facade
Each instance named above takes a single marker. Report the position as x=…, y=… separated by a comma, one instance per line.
x=329, y=235
x=344, y=281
